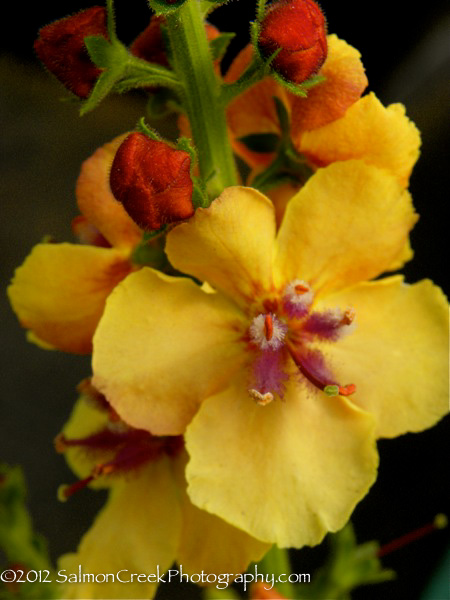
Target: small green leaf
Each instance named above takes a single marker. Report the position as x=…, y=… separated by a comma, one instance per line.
x=104, y=85
x=19, y=543
x=219, y=45
x=100, y=50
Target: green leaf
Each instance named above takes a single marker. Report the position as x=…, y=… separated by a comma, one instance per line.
x=18, y=541
x=261, y=142
x=104, y=85
x=101, y=52
x=220, y=44
x=349, y=566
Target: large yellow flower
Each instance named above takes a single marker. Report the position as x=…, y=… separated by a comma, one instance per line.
x=60, y=290
x=148, y=521
x=259, y=367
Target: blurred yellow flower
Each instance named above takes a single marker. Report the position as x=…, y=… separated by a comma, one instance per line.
x=60, y=290
x=148, y=521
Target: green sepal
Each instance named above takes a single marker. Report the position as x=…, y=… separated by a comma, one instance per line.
x=150, y=251
x=199, y=196
x=298, y=89
x=161, y=7
x=142, y=127
x=207, y=6
x=220, y=44
x=261, y=142
x=260, y=10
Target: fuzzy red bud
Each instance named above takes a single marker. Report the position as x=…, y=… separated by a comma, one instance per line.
x=297, y=28
x=60, y=46
x=152, y=180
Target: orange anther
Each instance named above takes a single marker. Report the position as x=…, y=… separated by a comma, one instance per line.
x=348, y=316
x=347, y=390
x=302, y=288
x=268, y=327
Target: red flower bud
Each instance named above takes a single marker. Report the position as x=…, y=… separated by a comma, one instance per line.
x=60, y=46
x=297, y=27
x=149, y=45
x=153, y=181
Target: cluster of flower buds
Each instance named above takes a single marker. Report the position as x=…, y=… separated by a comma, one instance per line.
x=296, y=31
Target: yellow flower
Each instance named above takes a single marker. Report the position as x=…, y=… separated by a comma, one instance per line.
x=148, y=521
x=332, y=123
x=60, y=290
x=259, y=367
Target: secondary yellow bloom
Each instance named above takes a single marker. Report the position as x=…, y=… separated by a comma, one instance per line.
x=60, y=290
x=332, y=123
x=148, y=521
x=260, y=366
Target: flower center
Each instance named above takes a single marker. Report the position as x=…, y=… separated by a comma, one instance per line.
x=267, y=332
x=289, y=332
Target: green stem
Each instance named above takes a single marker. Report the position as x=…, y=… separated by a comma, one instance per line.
x=202, y=97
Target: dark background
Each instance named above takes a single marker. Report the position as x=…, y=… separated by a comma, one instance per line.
x=406, y=52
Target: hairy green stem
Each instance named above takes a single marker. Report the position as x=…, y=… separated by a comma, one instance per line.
x=202, y=97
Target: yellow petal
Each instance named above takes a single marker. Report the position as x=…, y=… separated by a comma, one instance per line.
x=97, y=203
x=349, y=223
x=287, y=472
x=209, y=544
x=381, y=136
x=229, y=244
x=345, y=81
x=60, y=290
x=137, y=532
x=398, y=353
x=162, y=346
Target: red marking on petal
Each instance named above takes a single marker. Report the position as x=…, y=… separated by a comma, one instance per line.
x=130, y=449
x=87, y=233
x=311, y=364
